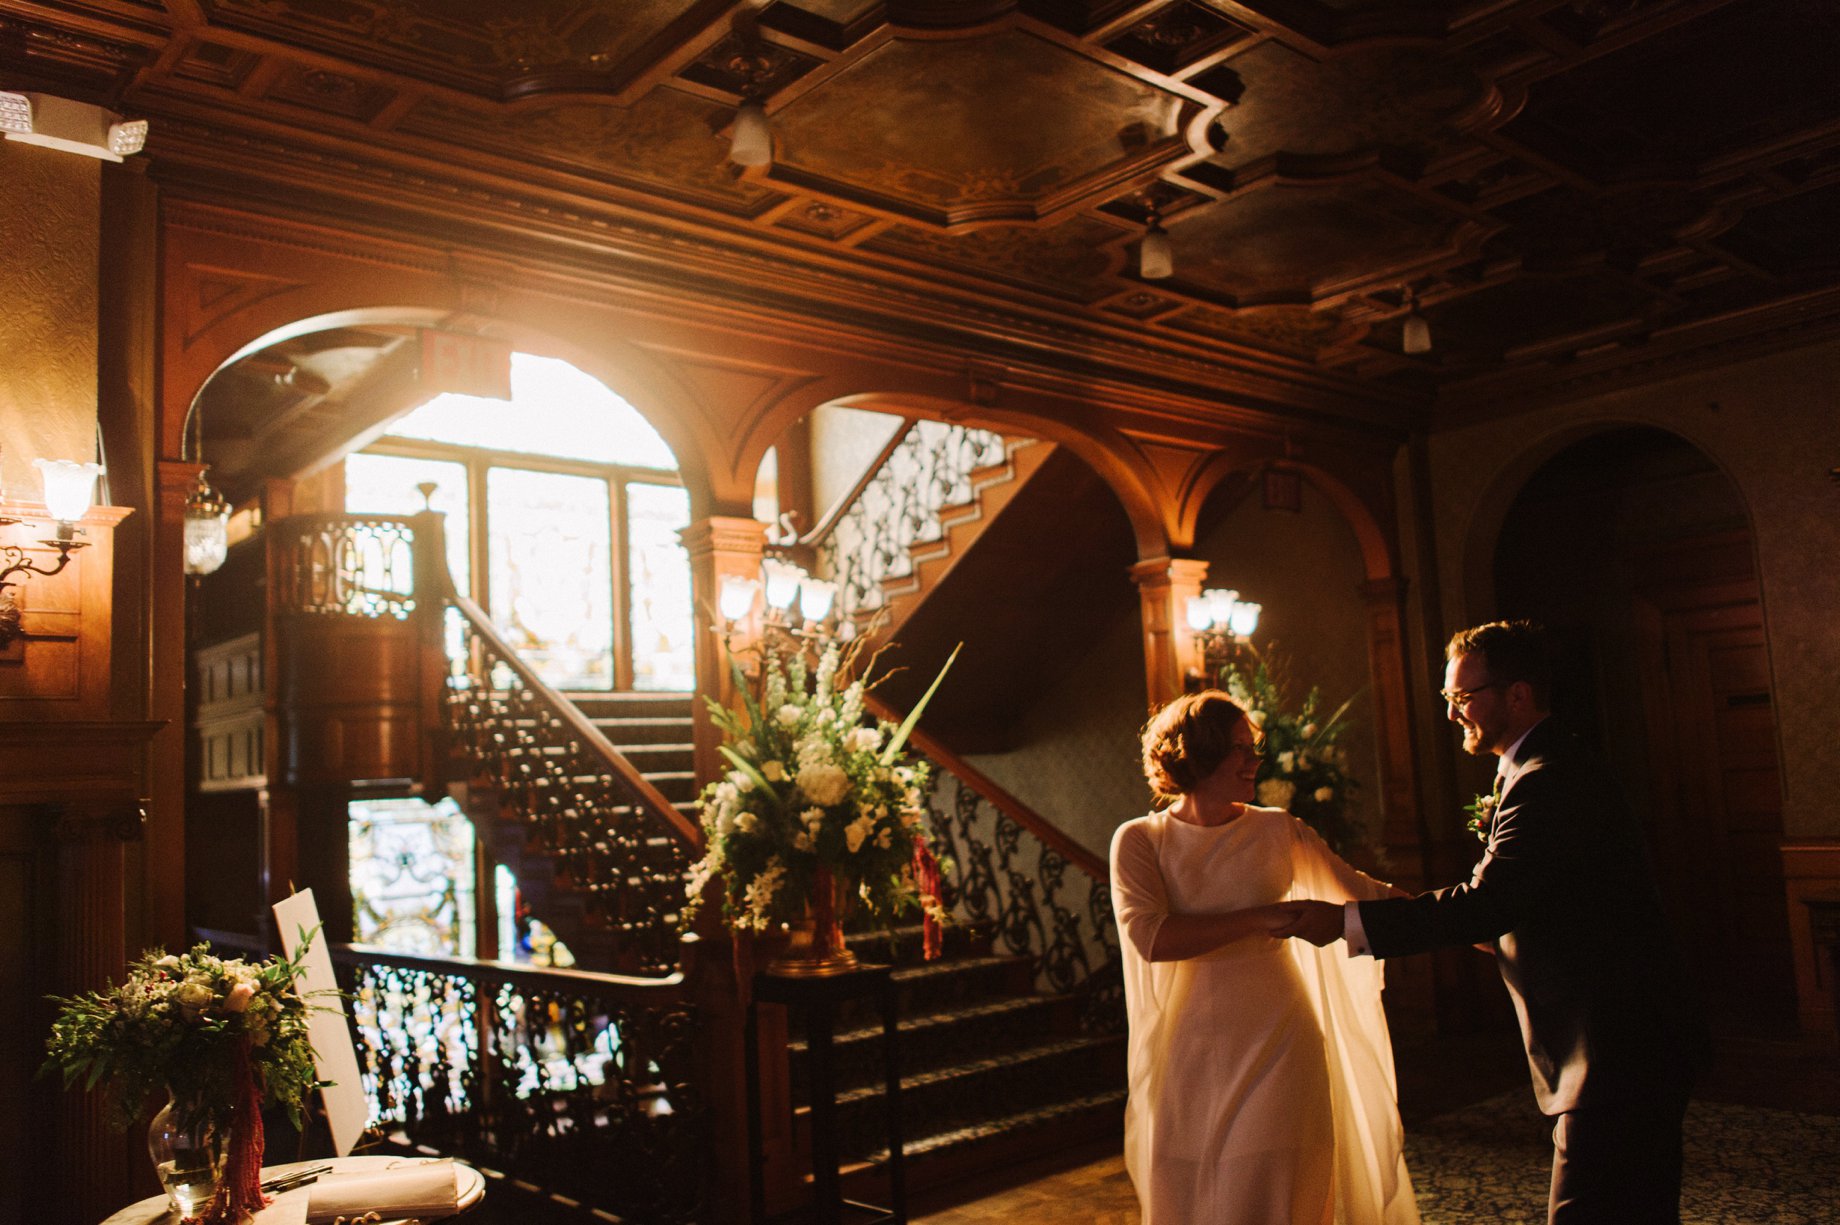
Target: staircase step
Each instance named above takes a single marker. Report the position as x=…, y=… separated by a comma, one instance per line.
x=659, y=729
x=964, y=1094
x=1099, y=1112
x=938, y=1039
x=633, y=704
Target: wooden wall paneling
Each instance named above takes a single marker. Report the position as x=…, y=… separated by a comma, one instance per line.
x=1811, y=867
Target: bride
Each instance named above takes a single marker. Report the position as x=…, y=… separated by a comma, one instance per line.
x=1261, y=1074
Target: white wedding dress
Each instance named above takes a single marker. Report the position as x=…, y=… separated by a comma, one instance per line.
x=1261, y=1075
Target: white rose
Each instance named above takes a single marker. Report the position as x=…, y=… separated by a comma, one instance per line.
x=1324, y=794
x=1287, y=761
x=1276, y=793
x=788, y=715
x=862, y=740
x=747, y=822
x=773, y=771
x=824, y=784
x=194, y=994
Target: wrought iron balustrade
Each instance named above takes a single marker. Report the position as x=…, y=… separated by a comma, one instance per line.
x=926, y=469
x=584, y=1085
x=1046, y=897
x=612, y=835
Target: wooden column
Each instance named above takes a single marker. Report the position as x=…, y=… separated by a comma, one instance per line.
x=163, y=865
x=1401, y=809
x=719, y=546
x=1164, y=585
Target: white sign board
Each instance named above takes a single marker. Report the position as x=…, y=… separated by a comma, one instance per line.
x=334, y=1057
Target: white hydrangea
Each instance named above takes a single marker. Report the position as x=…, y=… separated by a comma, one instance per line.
x=1277, y=792
x=788, y=715
x=824, y=784
x=862, y=740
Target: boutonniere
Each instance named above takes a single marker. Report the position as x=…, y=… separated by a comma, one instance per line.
x=1481, y=811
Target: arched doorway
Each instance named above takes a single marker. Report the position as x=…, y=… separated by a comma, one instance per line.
x=1636, y=549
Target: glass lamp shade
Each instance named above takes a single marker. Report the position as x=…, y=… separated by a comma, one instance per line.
x=1245, y=619
x=1221, y=601
x=68, y=486
x=207, y=529
x=816, y=596
x=750, y=143
x=782, y=583
x=1199, y=618
x=1155, y=259
x=737, y=596
x=1415, y=337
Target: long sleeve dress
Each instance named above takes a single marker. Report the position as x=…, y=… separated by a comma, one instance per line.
x=1261, y=1074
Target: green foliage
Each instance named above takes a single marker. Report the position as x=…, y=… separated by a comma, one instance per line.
x=1304, y=767
x=170, y=1028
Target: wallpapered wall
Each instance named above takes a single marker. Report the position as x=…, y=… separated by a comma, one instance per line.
x=1773, y=424
x=50, y=210
x=1079, y=767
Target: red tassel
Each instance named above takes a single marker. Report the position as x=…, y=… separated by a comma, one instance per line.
x=239, y=1195
x=926, y=877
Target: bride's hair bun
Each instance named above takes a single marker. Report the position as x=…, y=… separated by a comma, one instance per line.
x=1186, y=741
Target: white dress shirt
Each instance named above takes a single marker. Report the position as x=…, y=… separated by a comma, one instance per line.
x=1353, y=934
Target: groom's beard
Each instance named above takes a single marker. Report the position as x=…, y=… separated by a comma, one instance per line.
x=1474, y=742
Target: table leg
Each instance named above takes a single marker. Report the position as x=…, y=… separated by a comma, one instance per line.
x=826, y=1194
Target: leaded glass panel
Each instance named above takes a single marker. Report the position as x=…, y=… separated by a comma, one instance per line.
x=412, y=876
x=555, y=410
x=662, y=650
x=386, y=485
x=551, y=573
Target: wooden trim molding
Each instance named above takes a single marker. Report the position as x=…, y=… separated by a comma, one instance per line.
x=1811, y=869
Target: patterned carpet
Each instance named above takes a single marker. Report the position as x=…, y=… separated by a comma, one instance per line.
x=1745, y=1165
x=1489, y=1164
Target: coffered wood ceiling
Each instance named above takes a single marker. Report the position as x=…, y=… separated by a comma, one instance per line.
x=1571, y=188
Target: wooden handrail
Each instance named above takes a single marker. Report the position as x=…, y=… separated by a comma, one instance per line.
x=842, y=505
x=1011, y=807
x=584, y=982
x=578, y=723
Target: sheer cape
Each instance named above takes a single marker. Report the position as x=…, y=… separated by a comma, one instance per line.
x=1372, y=1186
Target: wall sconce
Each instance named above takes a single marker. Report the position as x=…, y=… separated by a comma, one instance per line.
x=74, y=127
x=1222, y=625
x=797, y=607
x=207, y=528
x=67, y=486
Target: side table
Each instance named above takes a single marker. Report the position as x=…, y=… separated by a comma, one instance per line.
x=817, y=998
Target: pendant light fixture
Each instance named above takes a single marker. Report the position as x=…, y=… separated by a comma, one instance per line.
x=207, y=515
x=1155, y=259
x=1415, y=335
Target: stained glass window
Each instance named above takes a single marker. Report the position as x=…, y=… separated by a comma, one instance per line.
x=555, y=410
x=663, y=654
x=551, y=573
x=412, y=876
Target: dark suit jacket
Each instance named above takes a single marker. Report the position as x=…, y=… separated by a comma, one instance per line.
x=1566, y=892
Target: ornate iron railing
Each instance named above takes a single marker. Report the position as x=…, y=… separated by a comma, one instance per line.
x=927, y=469
x=1046, y=896
x=611, y=835
x=583, y=1085
x=348, y=565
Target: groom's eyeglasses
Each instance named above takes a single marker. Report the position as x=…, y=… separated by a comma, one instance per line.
x=1460, y=697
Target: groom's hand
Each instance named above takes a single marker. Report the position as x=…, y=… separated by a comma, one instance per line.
x=1318, y=922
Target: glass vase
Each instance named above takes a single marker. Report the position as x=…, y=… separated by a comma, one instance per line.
x=816, y=947
x=188, y=1162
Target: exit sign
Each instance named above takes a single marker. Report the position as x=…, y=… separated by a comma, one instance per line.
x=466, y=364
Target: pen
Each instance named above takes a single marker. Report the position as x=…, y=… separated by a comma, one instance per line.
x=299, y=1178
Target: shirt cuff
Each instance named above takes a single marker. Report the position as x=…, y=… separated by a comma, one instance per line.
x=1354, y=936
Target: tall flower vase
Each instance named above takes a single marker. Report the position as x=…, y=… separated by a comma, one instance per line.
x=817, y=947
x=189, y=1162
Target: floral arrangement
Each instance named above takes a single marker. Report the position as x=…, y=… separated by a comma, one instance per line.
x=221, y=1036
x=1303, y=769
x=1481, y=812
x=817, y=793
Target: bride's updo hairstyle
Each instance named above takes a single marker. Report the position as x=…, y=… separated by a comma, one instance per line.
x=1186, y=741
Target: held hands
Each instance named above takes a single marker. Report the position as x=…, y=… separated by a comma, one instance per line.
x=1318, y=922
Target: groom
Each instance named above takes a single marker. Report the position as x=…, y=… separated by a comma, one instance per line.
x=1566, y=899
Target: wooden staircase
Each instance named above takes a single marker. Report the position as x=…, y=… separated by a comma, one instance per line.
x=992, y=1071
